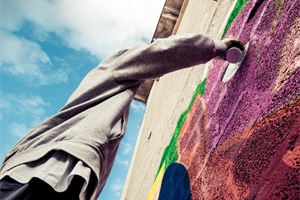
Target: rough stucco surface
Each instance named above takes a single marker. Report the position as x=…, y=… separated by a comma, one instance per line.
x=239, y=139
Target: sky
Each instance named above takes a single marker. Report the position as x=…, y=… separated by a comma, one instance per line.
x=48, y=46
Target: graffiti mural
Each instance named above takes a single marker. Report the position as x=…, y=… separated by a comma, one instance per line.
x=240, y=139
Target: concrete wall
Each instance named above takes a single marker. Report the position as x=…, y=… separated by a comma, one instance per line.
x=203, y=138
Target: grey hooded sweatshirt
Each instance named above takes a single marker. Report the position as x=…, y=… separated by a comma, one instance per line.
x=92, y=123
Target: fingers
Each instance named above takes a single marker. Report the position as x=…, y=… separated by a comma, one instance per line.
x=238, y=44
x=233, y=42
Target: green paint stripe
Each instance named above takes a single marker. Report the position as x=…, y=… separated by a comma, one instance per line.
x=171, y=151
x=237, y=8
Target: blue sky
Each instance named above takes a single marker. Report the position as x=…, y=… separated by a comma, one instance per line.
x=48, y=46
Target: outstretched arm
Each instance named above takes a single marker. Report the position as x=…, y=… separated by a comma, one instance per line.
x=146, y=61
x=166, y=55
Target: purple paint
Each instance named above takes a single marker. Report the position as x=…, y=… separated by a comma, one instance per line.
x=248, y=97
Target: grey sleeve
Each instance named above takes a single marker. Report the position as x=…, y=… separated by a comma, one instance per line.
x=128, y=68
x=166, y=55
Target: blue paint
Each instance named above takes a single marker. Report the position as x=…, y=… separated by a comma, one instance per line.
x=175, y=184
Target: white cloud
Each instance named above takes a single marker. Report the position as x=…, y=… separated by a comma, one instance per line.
x=116, y=186
x=137, y=106
x=4, y=102
x=17, y=130
x=23, y=57
x=30, y=108
x=122, y=162
x=98, y=26
x=126, y=148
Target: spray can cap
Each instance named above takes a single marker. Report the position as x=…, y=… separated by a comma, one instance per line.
x=234, y=55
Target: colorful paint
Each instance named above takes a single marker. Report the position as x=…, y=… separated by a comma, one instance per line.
x=176, y=183
x=241, y=139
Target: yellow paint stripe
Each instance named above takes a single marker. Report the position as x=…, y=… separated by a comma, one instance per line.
x=154, y=193
x=277, y=14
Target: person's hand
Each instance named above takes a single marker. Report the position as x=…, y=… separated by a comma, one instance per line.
x=233, y=42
